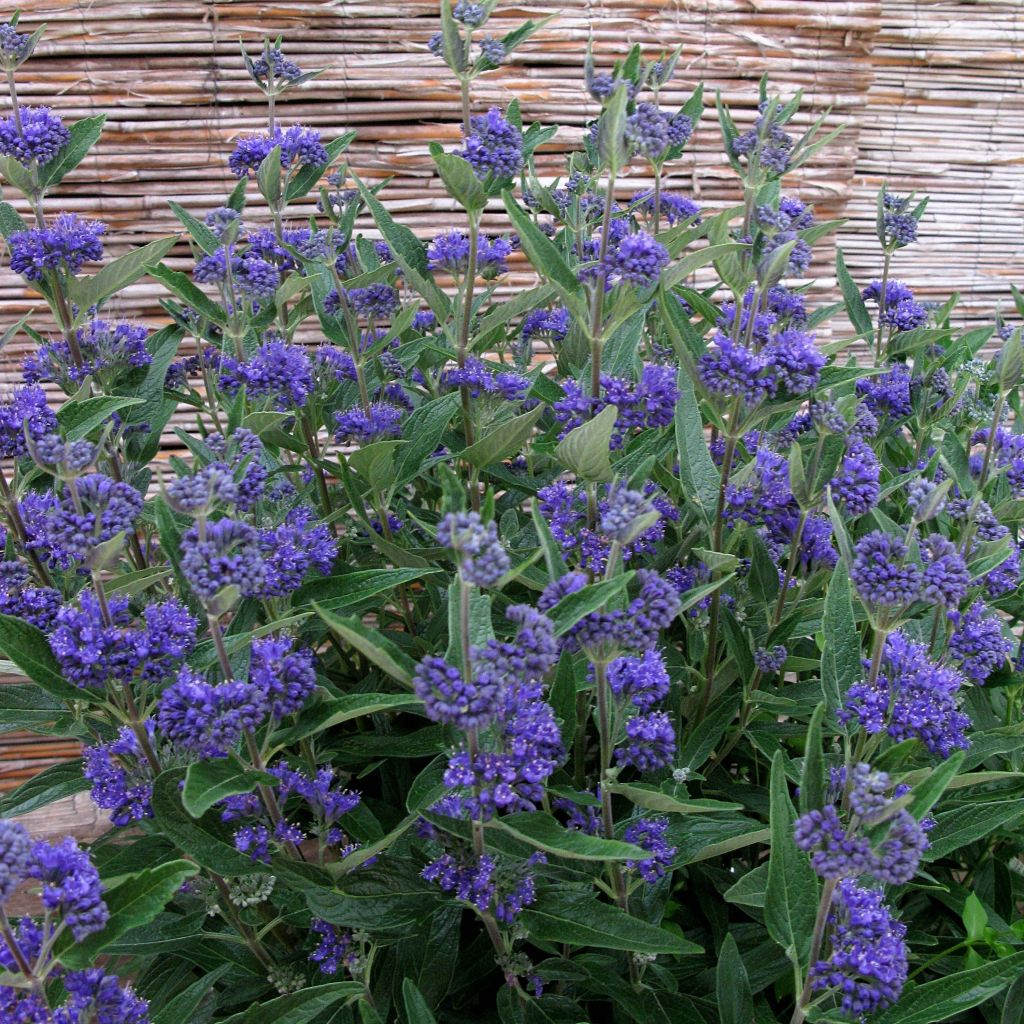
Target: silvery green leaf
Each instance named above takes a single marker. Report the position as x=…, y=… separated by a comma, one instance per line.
x=585, y=450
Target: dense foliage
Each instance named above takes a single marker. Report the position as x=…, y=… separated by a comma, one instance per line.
x=614, y=649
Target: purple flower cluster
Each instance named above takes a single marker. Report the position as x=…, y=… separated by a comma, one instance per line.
x=223, y=554
x=944, y=573
x=899, y=311
x=899, y=226
x=766, y=500
x=71, y=886
x=881, y=572
x=879, y=841
x=674, y=208
x=781, y=226
x=788, y=362
x=94, y=648
x=107, y=349
x=450, y=251
x=647, y=403
x=483, y=882
x=978, y=643
x=867, y=966
x=65, y=245
x=283, y=677
x=40, y=136
x=478, y=379
x=638, y=259
x=494, y=146
x=649, y=835
x=273, y=62
x=642, y=681
x=26, y=413
x=522, y=745
x=653, y=131
x=278, y=371
x=856, y=484
x=36, y=605
x=336, y=948
x=554, y=323
x=382, y=420
x=481, y=557
x=94, y=995
x=300, y=545
x=93, y=510
x=649, y=743
x=251, y=276
x=766, y=146
x=299, y=147
x=121, y=781
x=206, y=719
x=912, y=698
x=564, y=507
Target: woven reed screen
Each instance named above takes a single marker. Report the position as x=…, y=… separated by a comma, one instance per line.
x=930, y=93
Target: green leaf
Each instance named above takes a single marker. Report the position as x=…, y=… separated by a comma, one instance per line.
x=948, y=997
x=83, y=134
x=926, y=794
x=697, y=472
x=133, y=902
x=791, y=903
x=268, y=177
x=962, y=825
x=732, y=986
x=855, y=308
x=118, y=274
x=182, y=285
x=764, y=572
x=79, y=417
x=749, y=891
x=645, y=795
x=51, y=784
x=183, y=1007
x=683, y=268
x=211, y=780
x=10, y=220
x=424, y=428
x=162, y=347
x=14, y=173
x=460, y=179
x=372, y=643
x=207, y=840
x=588, y=599
x=203, y=236
x=585, y=450
x=547, y=260
x=576, y=918
x=29, y=649
x=409, y=254
x=812, y=780
x=375, y=463
x=26, y=706
x=505, y=439
x=335, y=593
x=329, y=713
x=298, y=1007
x=541, y=831
x=310, y=174
x=416, y=1009
x=841, y=654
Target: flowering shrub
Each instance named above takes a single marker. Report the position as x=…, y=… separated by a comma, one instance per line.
x=616, y=650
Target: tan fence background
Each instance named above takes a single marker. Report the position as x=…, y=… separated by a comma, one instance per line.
x=931, y=93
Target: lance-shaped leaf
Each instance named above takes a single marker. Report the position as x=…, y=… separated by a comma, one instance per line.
x=125, y=270
x=585, y=450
